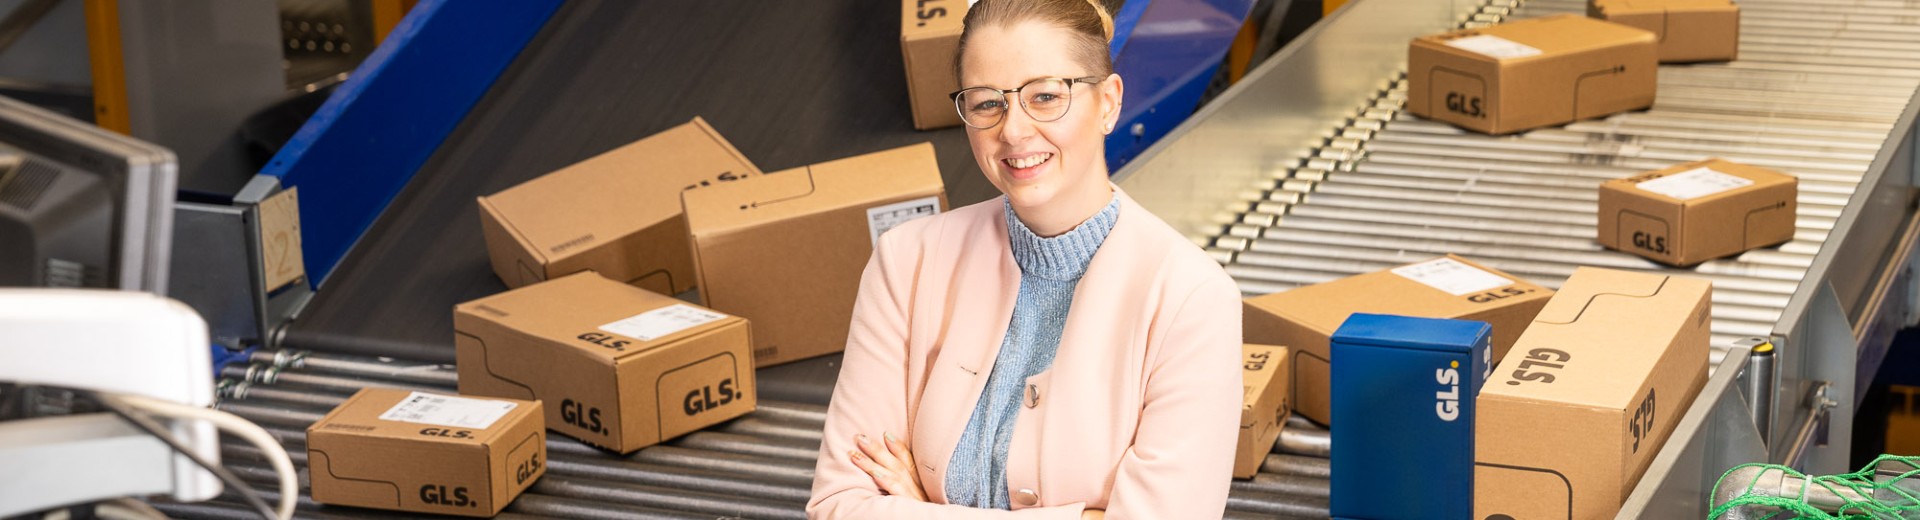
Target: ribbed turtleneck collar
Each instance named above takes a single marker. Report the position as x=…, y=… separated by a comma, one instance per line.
x=1064, y=257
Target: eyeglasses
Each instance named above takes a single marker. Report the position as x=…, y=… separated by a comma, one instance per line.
x=1045, y=100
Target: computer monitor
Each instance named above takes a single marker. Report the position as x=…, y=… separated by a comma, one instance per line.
x=81, y=206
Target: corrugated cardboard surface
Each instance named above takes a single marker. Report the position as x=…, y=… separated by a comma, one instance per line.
x=357, y=459
x=1585, y=68
x=786, y=249
x=1686, y=232
x=1303, y=318
x=617, y=213
x=1573, y=417
x=1264, y=407
x=929, y=37
x=1404, y=397
x=546, y=341
x=1688, y=30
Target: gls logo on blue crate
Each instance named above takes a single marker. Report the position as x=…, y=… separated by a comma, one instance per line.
x=1449, y=406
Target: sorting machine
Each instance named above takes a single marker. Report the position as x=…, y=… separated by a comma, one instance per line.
x=1310, y=170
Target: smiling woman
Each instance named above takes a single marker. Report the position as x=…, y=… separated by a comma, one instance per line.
x=1057, y=352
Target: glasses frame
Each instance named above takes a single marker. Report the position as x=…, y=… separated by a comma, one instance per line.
x=955, y=96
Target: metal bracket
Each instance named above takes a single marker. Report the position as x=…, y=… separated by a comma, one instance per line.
x=227, y=268
x=1814, y=429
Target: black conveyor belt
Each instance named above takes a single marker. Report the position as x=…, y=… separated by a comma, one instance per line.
x=788, y=83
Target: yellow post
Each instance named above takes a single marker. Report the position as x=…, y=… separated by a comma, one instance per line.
x=386, y=15
x=109, y=66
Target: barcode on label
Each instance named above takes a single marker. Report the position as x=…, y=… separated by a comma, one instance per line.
x=882, y=218
x=1694, y=183
x=661, y=322
x=447, y=410
x=1451, y=276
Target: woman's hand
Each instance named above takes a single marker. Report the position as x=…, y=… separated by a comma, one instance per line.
x=891, y=466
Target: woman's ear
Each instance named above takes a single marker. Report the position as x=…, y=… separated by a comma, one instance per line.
x=1111, y=92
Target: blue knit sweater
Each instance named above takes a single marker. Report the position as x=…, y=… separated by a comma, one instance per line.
x=1050, y=268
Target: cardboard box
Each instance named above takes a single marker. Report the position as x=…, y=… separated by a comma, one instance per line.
x=1403, y=392
x=1687, y=30
x=622, y=368
x=1531, y=73
x=1450, y=287
x=786, y=249
x=1571, y=420
x=1263, y=406
x=929, y=39
x=617, y=214
x=426, y=453
x=1699, y=211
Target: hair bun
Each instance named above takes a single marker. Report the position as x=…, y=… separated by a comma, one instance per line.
x=1106, y=19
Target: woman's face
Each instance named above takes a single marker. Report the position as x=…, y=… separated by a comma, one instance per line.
x=1033, y=162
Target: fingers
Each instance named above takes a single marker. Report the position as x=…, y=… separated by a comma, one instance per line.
x=880, y=454
x=911, y=479
x=888, y=481
x=890, y=465
x=900, y=451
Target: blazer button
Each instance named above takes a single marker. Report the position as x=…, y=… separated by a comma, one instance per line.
x=1026, y=498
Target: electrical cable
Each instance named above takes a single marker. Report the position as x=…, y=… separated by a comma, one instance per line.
x=246, y=430
x=126, y=413
x=128, y=509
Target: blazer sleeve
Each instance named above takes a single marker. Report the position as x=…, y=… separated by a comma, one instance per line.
x=1181, y=461
x=870, y=397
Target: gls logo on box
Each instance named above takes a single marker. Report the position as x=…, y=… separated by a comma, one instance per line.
x=704, y=386
x=1647, y=241
x=1448, y=405
x=443, y=432
x=439, y=495
x=1493, y=296
x=701, y=399
x=605, y=340
x=576, y=414
x=526, y=470
x=1465, y=105
x=924, y=13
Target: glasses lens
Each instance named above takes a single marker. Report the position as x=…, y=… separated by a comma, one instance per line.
x=1047, y=99
x=981, y=107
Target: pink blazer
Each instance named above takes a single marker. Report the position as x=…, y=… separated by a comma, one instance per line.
x=1137, y=416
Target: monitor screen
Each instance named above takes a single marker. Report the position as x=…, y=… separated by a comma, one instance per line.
x=81, y=206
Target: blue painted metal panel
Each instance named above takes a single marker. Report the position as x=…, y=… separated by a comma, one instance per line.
x=355, y=154
x=1168, y=52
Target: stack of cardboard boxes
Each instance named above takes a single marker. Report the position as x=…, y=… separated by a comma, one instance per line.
x=591, y=343
x=1586, y=384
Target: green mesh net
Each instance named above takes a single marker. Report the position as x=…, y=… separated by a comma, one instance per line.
x=1875, y=492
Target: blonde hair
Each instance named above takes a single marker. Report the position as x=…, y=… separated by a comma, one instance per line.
x=1087, y=20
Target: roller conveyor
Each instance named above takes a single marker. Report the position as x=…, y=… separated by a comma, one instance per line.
x=1815, y=93
x=1284, y=248
x=757, y=466
x=1821, y=90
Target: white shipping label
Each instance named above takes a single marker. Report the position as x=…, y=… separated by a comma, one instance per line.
x=1494, y=47
x=1451, y=276
x=447, y=410
x=658, y=323
x=882, y=218
x=1694, y=183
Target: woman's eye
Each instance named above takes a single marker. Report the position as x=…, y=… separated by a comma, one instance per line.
x=987, y=106
x=1044, y=98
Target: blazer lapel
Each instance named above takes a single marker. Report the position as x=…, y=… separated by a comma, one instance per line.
x=976, y=320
